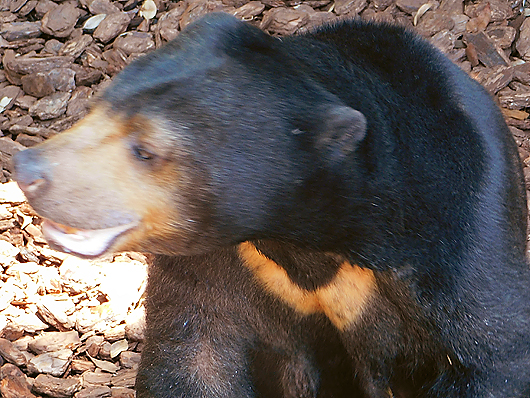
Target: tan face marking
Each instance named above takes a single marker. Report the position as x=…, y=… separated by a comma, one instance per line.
x=95, y=181
x=342, y=300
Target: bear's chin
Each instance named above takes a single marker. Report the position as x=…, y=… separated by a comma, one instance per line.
x=82, y=242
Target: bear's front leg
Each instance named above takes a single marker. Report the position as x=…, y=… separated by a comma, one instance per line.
x=196, y=368
x=196, y=341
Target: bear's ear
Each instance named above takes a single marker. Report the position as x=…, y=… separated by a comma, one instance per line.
x=342, y=130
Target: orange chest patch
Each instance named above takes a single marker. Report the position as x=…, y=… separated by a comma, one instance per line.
x=342, y=300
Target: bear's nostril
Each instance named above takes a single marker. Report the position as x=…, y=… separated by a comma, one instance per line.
x=34, y=186
x=31, y=171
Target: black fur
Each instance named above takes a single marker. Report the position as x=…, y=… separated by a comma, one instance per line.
x=253, y=345
x=431, y=196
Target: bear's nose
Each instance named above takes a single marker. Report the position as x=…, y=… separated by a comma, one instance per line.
x=31, y=172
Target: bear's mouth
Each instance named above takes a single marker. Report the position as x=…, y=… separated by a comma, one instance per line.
x=82, y=242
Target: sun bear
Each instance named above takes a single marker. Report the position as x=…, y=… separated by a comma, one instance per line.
x=337, y=213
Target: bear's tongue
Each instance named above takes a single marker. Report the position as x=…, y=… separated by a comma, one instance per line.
x=88, y=243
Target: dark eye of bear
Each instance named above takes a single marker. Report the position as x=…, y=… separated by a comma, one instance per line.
x=141, y=153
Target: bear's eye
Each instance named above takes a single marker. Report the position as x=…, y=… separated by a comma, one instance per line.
x=143, y=154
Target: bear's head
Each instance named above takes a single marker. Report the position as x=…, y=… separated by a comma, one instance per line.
x=204, y=142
